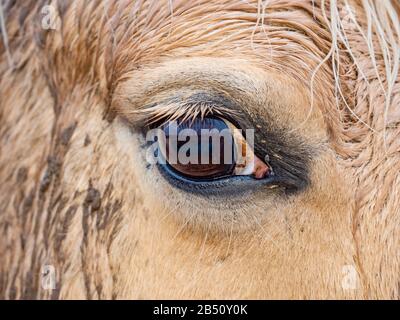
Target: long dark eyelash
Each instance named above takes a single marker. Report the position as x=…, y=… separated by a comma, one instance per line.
x=187, y=112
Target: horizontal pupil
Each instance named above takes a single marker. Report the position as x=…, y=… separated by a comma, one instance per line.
x=200, y=148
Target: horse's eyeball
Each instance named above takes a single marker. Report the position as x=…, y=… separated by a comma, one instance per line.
x=209, y=148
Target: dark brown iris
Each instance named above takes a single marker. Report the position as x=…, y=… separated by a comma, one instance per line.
x=200, y=148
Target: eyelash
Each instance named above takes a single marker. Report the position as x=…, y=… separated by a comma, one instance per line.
x=187, y=111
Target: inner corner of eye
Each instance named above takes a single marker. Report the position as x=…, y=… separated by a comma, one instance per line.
x=208, y=147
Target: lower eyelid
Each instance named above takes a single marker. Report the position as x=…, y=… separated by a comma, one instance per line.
x=226, y=187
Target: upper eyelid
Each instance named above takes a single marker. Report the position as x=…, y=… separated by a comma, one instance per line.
x=184, y=108
x=151, y=86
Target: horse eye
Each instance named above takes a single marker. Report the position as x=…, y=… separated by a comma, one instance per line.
x=209, y=148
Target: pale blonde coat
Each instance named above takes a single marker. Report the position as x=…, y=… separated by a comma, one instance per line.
x=75, y=193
